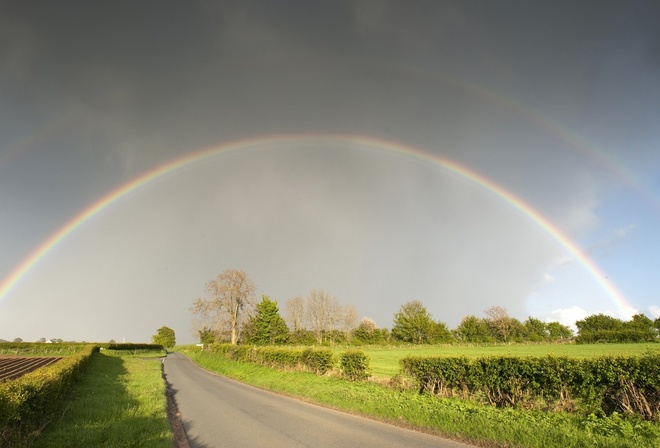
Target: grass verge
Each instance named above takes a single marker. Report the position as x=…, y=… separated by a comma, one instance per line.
x=457, y=419
x=120, y=402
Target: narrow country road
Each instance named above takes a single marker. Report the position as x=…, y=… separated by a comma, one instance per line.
x=219, y=412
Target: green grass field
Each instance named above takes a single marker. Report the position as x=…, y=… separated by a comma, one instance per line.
x=120, y=402
x=385, y=360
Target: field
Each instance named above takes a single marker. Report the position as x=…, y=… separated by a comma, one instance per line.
x=120, y=401
x=82, y=397
x=15, y=367
x=466, y=420
x=39, y=349
x=385, y=360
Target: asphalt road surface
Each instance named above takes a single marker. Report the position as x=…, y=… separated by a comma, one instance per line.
x=219, y=412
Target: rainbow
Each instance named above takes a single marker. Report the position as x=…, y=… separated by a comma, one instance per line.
x=350, y=140
x=575, y=141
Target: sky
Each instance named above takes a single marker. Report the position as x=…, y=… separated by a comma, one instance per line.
x=467, y=154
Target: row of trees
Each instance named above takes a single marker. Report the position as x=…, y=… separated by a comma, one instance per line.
x=603, y=328
x=231, y=314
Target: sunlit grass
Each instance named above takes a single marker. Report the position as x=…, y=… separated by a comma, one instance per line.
x=385, y=360
x=458, y=419
x=120, y=402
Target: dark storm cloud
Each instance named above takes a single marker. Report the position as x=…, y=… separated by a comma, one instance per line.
x=94, y=93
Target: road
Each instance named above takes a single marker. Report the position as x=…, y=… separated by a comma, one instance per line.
x=219, y=412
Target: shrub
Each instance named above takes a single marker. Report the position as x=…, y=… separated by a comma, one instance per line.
x=29, y=400
x=131, y=346
x=355, y=365
x=318, y=361
x=604, y=384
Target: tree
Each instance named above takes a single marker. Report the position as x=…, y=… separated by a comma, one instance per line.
x=500, y=322
x=367, y=332
x=413, y=323
x=598, y=322
x=18, y=340
x=473, y=329
x=641, y=323
x=231, y=296
x=348, y=318
x=535, y=330
x=440, y=333
x=206, y=336
x=558, y=332
x=323, y=313
x=295, y=309
x=164, y=336
x=266, y=326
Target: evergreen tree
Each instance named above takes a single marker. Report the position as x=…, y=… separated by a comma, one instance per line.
x=266, y=326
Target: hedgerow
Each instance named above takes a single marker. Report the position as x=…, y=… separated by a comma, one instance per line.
x=132, y=346
x=26, y=402
x=602, y=385
x=355, y=365
x=616, y=336
x=318, y=361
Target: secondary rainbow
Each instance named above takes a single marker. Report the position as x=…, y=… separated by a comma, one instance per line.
x=561, y=132
x=366, y=142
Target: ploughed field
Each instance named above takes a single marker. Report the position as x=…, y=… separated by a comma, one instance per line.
x=13, y=367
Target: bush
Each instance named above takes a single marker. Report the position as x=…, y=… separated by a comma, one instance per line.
x=355, y=365
x=604, y=384
x=131, y=346
x=25, y=403
x=318, y=361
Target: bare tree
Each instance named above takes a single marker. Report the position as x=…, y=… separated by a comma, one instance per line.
x=295, y=309
x=348, y=319
x=322, y=313
x=231, y=295
x=499, y=320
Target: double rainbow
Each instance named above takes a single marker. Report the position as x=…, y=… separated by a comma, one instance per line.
x=22, y=270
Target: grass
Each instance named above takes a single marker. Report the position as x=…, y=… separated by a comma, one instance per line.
x=385, y=360
x=457, y=419
x=120, y=402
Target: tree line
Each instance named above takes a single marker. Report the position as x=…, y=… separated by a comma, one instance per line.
x=231, y=314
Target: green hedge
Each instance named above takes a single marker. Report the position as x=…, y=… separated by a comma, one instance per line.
x=131, y=346
x=28, y=401
x=318, y=361
x=605, y=384
x=355, y=365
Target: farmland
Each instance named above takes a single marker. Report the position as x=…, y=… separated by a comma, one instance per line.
x=35, y=389
x=470, y=420
x=15, y=367
x=131, y=380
